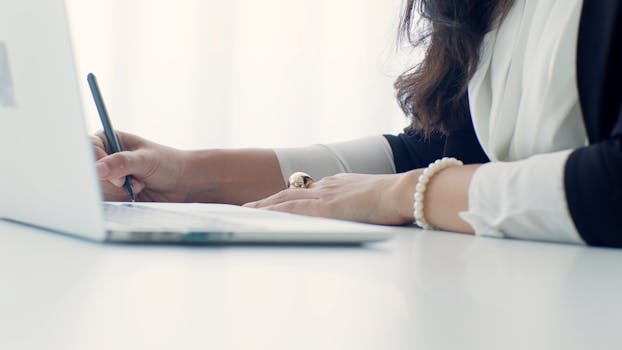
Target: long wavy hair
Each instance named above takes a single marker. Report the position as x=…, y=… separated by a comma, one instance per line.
x=433, y=94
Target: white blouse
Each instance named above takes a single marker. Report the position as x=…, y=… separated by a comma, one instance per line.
x=525, y=110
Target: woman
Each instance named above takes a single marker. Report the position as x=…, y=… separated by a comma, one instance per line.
x=521, y=91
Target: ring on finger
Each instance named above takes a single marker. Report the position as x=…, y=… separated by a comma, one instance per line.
x=300, y=180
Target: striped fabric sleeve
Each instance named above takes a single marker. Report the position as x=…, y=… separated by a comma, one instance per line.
x=368, y=155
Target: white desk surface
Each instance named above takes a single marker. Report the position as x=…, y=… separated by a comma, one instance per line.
x=421, y=290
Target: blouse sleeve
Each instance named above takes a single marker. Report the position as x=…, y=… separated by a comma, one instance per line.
x=573, y=196
x=368, y=155
x=522, y=199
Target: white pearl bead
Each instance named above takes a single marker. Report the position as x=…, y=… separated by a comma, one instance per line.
x=424, y=225
x=419, y=214
x=421, y=187
x=419, y=196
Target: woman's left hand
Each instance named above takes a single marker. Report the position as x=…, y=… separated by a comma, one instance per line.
x=375, y=199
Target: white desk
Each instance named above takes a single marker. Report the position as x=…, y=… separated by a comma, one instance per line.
x=418, y=291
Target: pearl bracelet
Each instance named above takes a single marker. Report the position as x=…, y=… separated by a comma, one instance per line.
x=422, y=185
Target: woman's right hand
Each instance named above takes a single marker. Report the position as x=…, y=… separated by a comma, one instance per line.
x=157, y=171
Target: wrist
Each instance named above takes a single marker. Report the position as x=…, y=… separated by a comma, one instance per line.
x=447, y=196
x=402, y=195
x=200, y=180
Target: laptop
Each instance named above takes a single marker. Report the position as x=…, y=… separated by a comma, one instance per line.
x=47, y=171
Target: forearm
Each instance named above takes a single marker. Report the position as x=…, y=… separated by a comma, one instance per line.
x=231, y=176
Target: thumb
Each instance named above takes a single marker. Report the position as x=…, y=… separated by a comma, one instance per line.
x=119, y=165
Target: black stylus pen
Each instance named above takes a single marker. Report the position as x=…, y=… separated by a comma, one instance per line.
x=111, y=137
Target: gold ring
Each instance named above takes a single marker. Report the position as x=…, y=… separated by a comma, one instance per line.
x=300, y=180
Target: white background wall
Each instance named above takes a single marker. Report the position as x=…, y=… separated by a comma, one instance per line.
x=235, y=73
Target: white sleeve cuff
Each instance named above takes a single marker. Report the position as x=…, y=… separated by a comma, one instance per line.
x=369, y=155
x=523, y=199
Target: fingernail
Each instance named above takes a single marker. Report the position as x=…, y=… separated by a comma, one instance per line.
x=102, y=169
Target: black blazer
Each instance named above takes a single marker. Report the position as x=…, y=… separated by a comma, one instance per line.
x=593, y=174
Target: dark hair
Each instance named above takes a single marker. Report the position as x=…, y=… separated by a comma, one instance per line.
x=433, y=94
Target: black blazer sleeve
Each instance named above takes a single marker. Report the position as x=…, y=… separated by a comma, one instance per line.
x=415, y=151
x=593, y=174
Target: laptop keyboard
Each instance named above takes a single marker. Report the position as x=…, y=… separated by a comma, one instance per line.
x=143, y=217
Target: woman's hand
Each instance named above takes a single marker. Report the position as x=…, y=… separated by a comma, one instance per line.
x=381, y=199
x=164, y=174
x=376, y=199
x=157, y=170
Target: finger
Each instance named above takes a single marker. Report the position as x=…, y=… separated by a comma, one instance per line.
x=99, y=153
x=137, y=186
x=116, y=194
x=103, y=170
x=119, y=165
x=98, y=147
x=113, y=193
x=309, y=207
x=127, y=141
x=97, y=141
x=100, y=140
x=283, y=196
